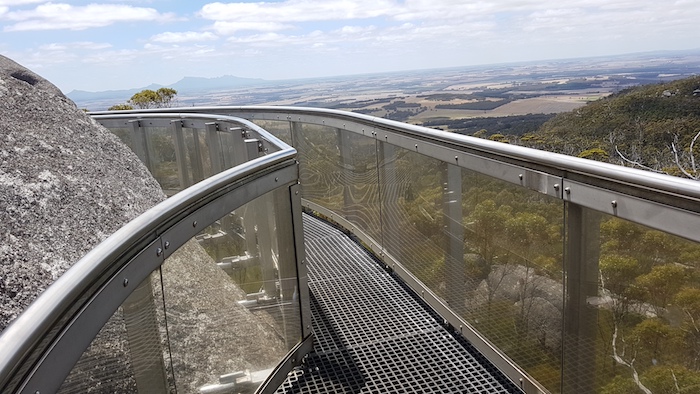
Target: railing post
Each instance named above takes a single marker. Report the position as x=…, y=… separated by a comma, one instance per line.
x=144, y=340
x=295, y=131
x=454, y=251
x=180, y=154
x=582, y=252
x=236, y=153
x=140, y=142
x=346, y=165
x=214, y=147
x=389, y=190
x=196, y=158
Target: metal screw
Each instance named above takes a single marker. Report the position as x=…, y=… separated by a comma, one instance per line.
x=194, y=224
x=125, y=282
x=456, y=158
x=167, y=244
x=614, y=203
x=520, y=176
x=416, y=146
x=521, y=382
x=276, y=179
x=556, y=186
x=567, y=190
x=296, y=192
x=159, y=252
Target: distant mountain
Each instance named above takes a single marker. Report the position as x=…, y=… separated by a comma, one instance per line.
x=184, y=86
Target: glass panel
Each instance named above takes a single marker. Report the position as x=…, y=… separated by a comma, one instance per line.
x=130, y=353
x=491, y=250
x=231, y=299
x=161, y=155
x=358, y=177
x=513, y=256
x=279, y=129
x=320, y=168
x=637, y=301
x=412, y=212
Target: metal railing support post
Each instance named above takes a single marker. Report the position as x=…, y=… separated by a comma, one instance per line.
x=180, y=154
x=144, y=340
x=582, y=252
x=454, y=249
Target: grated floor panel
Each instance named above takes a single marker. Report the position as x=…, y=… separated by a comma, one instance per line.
x=372, y=335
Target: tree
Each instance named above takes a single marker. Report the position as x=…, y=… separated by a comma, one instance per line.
x=166, y=96
x=120, y=107
x=147, y=98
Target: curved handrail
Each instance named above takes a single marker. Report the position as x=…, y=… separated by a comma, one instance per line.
x=41, y=328
x=553, y=163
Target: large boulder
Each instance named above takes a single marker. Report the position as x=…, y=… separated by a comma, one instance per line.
x=66, y=183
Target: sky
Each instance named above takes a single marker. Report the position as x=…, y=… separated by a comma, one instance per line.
x=111, y=45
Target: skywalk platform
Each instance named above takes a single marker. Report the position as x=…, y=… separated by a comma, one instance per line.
x=373, y=334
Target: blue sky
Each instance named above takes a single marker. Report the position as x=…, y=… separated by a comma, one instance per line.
x=102, y=44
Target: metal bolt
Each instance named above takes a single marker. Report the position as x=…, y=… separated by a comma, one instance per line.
x=614, y=203
x=520, y=176
x=521, y=382
x=456, y=158
x=125, y=282
x=159, y=252
x=194, y=224
x=276, y=179
x=166, y=244
x=567, y=190
x=296, y=192
x=416, y=146
x=556, y=186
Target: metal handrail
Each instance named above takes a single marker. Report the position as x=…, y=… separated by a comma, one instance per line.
x=26, y=342
x=553, y=163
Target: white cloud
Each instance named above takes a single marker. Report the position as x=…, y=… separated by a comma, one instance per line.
x=79, y=45
x=283, y=13
x=231, y=27
x=18, y=2
x=181, y=37
x=54, y=16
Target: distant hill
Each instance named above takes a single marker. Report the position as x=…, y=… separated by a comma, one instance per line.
x=638, y=127
x=186, y=85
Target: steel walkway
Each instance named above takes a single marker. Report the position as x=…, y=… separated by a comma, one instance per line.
x=373, y=335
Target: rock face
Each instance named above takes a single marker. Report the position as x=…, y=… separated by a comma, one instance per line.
x=66, y=183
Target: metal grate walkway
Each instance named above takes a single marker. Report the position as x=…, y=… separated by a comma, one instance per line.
x=372, y=335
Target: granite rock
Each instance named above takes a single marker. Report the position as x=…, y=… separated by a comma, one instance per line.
x=66, y=183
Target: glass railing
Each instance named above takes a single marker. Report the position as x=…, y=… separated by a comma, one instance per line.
x=570, y=275
x=204, y=293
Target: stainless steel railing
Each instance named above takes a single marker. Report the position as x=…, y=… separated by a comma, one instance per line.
x=567, y=274
x=549, y=264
